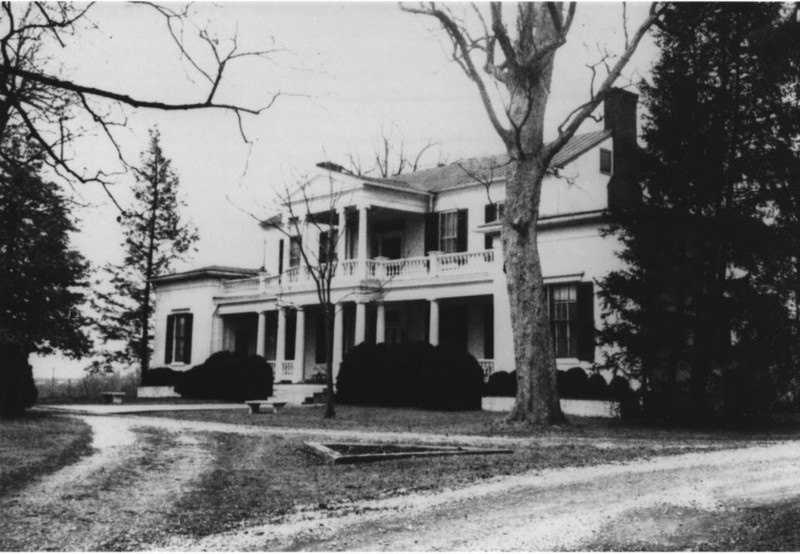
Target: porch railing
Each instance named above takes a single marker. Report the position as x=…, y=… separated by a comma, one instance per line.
x=287, y=369
x=435, y=265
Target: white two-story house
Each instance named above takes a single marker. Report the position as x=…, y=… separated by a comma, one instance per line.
x=419, y=259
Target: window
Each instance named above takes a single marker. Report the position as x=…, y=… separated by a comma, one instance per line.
x=179, y=339
x=605, y=161
x=448, y=232
x=294, y=252
x=494, y=212
x=563, y=319
x=327, y=245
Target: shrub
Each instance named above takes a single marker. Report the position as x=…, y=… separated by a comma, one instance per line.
x=160, y=377
x=450, y=379
x=403, y=368
x=227, y=376
x=573, y=383
x=596, y=387
x=17, y=390
x=502, y=383
x=357, y=382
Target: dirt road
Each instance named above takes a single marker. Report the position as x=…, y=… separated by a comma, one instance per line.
x=632, y=503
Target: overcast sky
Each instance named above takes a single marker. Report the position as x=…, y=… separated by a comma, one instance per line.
x=347, y=70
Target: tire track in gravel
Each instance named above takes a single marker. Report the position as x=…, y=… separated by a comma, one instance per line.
x=111, y=499
x=560, y=509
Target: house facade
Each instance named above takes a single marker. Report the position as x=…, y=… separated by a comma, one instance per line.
x=417, y=258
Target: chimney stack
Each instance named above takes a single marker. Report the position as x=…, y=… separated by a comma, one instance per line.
x=620, y=114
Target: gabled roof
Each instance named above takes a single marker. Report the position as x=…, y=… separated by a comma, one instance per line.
x=466, y=172
x=207, y=272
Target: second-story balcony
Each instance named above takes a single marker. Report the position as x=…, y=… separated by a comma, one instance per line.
x=424, y=270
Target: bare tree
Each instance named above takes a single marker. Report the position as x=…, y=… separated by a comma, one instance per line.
x=390, y=158
x=54, y=110
x=515, y=54
x=297, y=219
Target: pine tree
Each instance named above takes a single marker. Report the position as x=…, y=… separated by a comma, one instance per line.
x=705, y=249
x=155, y=238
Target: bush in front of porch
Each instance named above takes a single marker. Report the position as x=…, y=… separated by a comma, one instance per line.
x=413, y=374
x=227, y=376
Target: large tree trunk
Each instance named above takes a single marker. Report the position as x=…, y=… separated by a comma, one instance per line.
x=537, y=394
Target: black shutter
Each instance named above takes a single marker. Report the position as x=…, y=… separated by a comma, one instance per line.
x=461, y=242
x=585, y=323
x=490, y=213
x=170, y=339
x=280, y=256
x=431, y=232
x=488, y=242
x=187, y=343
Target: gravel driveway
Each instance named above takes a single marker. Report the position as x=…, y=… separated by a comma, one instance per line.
x=77, y=509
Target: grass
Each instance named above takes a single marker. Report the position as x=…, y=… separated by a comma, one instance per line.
x=488, y=424
x=37, y=444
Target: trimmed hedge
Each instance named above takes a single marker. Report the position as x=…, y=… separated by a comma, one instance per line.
x=502, y=383
x=227, y=376
x=160, y=377
x=17, y=389
x=451, y=379
x=410, y=374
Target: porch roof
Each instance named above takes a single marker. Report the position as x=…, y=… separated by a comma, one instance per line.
x=206, y=272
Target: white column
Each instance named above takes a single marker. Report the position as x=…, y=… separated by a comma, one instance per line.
x=362, y=242
x=361, y=322
x=434, y=323
x=338, y=333
x=280, y=345
x=299, y=345
x=216, y=333
x=262, y=330
x=341, y=244
x=380, y=324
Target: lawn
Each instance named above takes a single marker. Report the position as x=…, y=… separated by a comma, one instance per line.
x=37, y=444
x=488, y=424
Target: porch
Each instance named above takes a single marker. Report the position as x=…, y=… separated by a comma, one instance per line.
x=291, y=338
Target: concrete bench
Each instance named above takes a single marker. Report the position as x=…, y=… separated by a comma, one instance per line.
x=257, y=405
x=112, y=397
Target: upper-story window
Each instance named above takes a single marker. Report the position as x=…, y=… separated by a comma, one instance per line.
x=606, y=163
x=448, y=232
x=294, y=251
x=494, y=212
x=327, y=246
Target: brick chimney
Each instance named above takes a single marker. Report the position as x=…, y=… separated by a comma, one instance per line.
x=624, y=190
x=620, y=114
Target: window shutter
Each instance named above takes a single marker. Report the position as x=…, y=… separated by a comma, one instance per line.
x=431, y=232
x=488, y=242
x=585, y=323
x=489, y=213
x=187, y=344
x=170, y=339
x=461, y=241
x=280, y=256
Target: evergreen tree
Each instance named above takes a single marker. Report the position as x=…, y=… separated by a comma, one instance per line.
x=155, y=238
x=41, y=276
x=705, y=250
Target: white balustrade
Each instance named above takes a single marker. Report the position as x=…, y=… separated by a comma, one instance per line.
x=287, y=369
x=435, y=265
